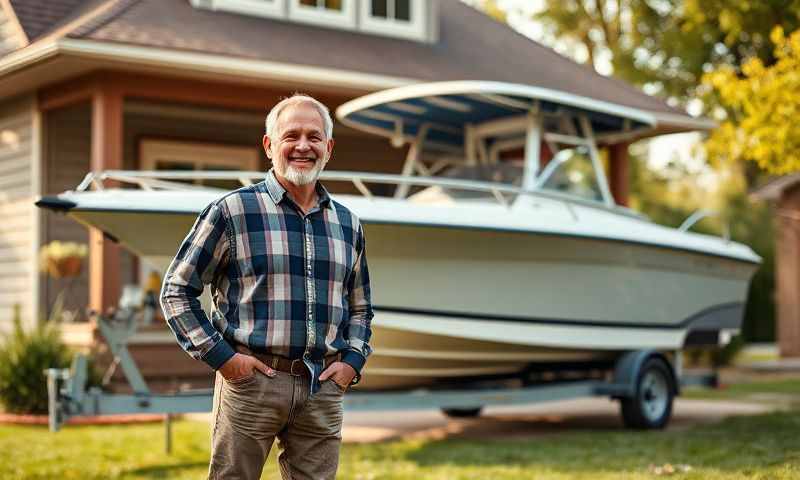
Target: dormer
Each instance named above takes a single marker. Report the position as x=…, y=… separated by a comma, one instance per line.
x=407, y=19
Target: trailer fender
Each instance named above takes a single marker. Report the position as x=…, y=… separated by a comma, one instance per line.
x=627, y=370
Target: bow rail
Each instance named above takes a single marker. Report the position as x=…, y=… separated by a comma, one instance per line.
x=175, y=180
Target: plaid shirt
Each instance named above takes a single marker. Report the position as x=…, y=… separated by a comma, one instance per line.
x=282, y=282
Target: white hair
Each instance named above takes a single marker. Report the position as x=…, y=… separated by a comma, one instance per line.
x=297, y=98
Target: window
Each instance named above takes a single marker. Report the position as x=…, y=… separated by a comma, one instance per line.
x=330, y=13
x=399, y=18
x=261, y=8
x=399, y=10
x=571, y=172
x=193, y=156
x=323, y=4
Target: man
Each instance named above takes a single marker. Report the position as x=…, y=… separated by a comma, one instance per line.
x=290, y=325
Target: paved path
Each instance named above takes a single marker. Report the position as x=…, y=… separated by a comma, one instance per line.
x=526, y=421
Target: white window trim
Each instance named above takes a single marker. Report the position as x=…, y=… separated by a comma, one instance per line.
x=415, y=29
x=197, y=153
x=271, y=9
x=346, y=18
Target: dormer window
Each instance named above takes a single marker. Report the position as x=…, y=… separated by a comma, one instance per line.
x=399, y=10
x=331, y=13
x=261, y=8
x=398, y=18
x=411, y=19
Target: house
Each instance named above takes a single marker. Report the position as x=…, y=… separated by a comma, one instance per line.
x=784, y=193
x=89, y=85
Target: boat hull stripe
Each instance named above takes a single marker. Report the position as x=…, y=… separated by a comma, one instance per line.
x=731, y=309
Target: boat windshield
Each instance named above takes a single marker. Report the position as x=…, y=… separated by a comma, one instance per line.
x=571, y=172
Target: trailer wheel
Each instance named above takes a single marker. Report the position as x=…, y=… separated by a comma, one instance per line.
x=651, y=406
x=462, y=412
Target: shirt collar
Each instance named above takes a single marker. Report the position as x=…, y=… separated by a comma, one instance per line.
x=278, y=193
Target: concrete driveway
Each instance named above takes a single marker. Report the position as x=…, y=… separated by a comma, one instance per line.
x=525, y=421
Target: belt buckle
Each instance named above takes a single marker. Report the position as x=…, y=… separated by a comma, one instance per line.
x=299, y=362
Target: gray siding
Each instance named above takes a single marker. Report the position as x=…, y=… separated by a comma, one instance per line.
x=17, y=228
x=68, y=146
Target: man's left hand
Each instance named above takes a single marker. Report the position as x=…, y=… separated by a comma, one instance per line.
x=340, y=372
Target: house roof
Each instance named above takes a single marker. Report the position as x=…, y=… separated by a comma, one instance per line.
x=471, y=46
x=38, y=17
x=776, y=187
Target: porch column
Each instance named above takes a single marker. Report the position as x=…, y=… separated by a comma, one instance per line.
x=787, y=273
x=618, y=172
x=104, y=255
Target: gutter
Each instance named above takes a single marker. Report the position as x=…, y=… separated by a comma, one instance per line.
x=672, y=119
x=28, y=56
x=219, y=64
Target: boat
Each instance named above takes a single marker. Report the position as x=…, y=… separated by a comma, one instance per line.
x=497, y=252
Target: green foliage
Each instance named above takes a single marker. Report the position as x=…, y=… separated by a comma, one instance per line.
x=24, y=355
x=669, y=44
x=762, y=104
x=724, y=356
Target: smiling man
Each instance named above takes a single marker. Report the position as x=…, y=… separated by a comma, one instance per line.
x=290, y=325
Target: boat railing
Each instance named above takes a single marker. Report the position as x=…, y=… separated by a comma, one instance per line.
x=504, y=194
x=700, y=214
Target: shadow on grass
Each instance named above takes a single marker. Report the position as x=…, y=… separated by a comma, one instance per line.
x=735, y=444
x=165, y=471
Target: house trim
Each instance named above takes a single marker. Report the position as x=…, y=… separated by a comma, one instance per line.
x=37, y=190
x=260, y=8
x=698, y=123
x=345, y=19
x=12, y=17
x=225, y=65
x=199, y=154
x=414, y=30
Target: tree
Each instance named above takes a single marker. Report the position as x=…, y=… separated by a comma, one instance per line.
x=761, y=106
x=667, y=45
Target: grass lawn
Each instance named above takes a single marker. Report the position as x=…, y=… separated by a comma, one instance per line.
x=765, y=446
x=784, y=391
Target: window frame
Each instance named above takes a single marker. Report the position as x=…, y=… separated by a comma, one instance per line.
x=414, y=29
x=198, y=154
x=345, y=19
x=260, y=8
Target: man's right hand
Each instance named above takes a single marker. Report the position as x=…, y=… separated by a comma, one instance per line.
x=241, y=366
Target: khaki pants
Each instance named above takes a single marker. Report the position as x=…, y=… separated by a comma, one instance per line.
x=249, y=413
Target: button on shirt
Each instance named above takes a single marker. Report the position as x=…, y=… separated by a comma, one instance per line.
x=282, y=282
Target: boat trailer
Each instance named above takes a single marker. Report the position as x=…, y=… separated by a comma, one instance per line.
x=644, y=381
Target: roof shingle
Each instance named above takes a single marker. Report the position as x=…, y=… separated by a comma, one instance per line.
x=38, y=17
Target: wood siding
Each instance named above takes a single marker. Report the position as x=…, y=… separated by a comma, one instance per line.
x=18, y=226
x=787, y=271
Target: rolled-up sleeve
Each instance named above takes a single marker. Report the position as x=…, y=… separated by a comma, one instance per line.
x=202, y=255
x=360, y=305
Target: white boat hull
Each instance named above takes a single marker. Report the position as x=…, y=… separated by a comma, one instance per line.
x=460, y=303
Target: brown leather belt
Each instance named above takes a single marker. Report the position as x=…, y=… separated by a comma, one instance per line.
x=282, y=364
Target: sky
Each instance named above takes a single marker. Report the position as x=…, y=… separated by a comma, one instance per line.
x=677, y=147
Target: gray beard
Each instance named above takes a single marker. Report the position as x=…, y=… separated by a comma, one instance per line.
x=303, y=177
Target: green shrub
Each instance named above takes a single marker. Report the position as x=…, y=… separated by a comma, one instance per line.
x=723, y=357
x=24, y=355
